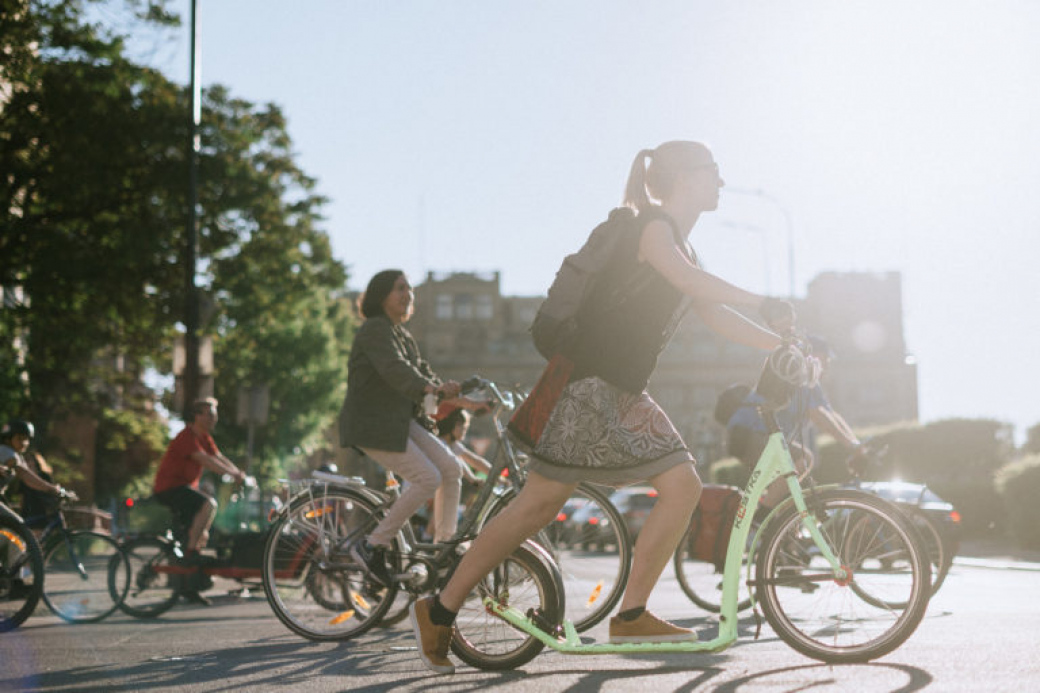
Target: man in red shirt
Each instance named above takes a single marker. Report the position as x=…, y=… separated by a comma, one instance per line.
x=177, y=481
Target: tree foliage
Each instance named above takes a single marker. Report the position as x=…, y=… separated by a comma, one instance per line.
x=957, y=458
x=94, y=150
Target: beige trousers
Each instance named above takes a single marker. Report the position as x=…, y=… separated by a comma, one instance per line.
x=426, y=465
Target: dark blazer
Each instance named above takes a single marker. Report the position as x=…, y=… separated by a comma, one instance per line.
x=386, y=377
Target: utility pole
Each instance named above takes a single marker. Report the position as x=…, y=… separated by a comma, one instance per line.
x=191, y=303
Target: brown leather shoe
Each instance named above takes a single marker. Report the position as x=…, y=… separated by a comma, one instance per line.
x=647, y=628
x=433, y=640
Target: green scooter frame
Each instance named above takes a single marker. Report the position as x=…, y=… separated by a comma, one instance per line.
x=774, y=463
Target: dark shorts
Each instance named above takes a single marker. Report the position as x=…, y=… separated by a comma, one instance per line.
x=184, y=502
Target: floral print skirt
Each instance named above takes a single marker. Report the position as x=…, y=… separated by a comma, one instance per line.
x=601, y=434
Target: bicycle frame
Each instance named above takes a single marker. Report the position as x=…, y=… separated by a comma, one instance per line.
x=774, y=463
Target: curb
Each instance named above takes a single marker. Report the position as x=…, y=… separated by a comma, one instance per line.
x=996, y=563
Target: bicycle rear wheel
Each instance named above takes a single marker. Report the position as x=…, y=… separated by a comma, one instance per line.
x=21, y=573
x=591, y=545
x=860, y=617
x=87, y=575
x=154, y=585
x=312, y=585
x=526, y=580
x=702, y=582
x=938, y=554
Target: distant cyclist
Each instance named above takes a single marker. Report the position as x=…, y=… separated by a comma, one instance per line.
x=177, y=481
x=16, y=463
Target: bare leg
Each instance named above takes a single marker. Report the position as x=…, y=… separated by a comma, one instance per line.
x=534, y=507
x=678, y=491
x=198, y=533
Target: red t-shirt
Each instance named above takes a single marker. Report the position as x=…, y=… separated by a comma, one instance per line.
x=177, y=468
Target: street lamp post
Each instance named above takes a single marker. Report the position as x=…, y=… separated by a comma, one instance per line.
x=762, y=194
x=761, y=233
x=191, y=304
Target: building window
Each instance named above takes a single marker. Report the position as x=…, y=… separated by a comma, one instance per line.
x=444, y=306
x=485, y=308
x=464, y=307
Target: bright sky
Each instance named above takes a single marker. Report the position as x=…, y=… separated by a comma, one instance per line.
x=487, y=135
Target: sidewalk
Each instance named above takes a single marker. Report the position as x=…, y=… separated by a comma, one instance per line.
x=997, y=553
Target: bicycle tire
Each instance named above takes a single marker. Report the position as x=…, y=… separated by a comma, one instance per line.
x=701, y=581
x=152, y=590
x=828, y=619
x=311, y=537
x=938, y=553
x=527, y=579
x=21, y=573
x=87, y=575
x=593, y=580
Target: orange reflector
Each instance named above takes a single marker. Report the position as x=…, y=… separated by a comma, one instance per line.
x=346, y=615
x=595, y=593
x=955, y=516
x=13, y=538
x=359, y=600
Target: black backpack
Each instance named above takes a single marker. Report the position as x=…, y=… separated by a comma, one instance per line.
x=555, y=326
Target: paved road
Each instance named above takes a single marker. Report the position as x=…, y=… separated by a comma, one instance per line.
x=979, y=634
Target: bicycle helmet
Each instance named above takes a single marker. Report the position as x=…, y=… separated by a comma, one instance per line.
x=17, y=427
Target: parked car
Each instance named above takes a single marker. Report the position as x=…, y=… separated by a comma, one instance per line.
x=634, y=503
x=925, y=506
x=565, y=531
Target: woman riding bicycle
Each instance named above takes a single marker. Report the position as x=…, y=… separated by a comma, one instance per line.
x=386, y=383
x=606, y=400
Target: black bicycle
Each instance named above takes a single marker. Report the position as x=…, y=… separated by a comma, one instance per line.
x=21, y=570
x=87, y=574
x=319, y=592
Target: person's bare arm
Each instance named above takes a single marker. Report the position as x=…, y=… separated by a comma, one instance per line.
x=218, y=464
x=657, y=247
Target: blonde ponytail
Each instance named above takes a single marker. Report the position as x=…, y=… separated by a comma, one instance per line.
x=635, y=190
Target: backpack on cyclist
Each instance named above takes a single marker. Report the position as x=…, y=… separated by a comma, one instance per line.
x=556, y=324
x=712, y=523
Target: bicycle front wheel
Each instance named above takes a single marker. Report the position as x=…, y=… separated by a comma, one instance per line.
x=21, y=573
x=312, y=585
x=856, y=617
x=525, y=581
x=87, y=575
x=154, y=583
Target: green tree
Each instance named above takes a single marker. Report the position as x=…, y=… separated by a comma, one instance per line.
x=957, y=458
x=94, y=150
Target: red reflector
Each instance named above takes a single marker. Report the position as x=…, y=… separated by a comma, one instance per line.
x=593, y=520
x=955, y=516
x=562, y=517
x=129, y=502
